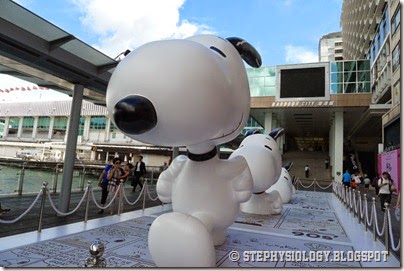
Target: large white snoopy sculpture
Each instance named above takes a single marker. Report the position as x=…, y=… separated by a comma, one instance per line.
x=195, y=93
x=265, y=162
x=284, y=184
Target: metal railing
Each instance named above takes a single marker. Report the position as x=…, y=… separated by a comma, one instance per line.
x=83, y=173
x=315, y=184
x=119, y=195
x=352, y=199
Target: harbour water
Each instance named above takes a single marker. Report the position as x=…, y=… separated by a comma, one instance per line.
x=33, y=178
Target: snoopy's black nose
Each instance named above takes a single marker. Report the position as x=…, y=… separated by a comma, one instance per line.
x=135, y=115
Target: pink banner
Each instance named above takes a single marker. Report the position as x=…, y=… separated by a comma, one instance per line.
x=390, y=162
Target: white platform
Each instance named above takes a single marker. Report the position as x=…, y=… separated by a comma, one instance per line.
x=314, y=223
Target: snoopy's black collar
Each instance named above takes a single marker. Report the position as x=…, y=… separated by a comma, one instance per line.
x=203, y=156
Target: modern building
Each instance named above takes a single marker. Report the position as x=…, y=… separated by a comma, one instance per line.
x=371, y=30
x=330, y=47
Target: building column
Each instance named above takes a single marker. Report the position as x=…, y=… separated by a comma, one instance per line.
x=6, y=127
x=86, y=129
x=268, y=122
x=107, y=129
x=19, y=132
x=71, y=145
x=338, y=146
x=35, y=127
x=51, y=124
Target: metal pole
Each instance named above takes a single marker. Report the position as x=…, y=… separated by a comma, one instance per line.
x=44, y=185
x=83, y=173
x=55, y=178
x=386, y=229
x=144, y=195
x=120, y=198
x=87, y=200
x=374, y=218
x=359, y=207
x=365, y=215
x=21, y=179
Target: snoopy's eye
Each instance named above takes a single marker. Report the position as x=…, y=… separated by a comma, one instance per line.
x=217, y=50
x=266, y=146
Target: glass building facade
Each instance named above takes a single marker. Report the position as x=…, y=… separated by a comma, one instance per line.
x=350, y=76
x=345, y=77
x=262, y=81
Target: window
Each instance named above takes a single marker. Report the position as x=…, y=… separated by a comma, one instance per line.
x=28, y=122
x=395, y=21
x=98, y=123
x=43, y=122
x=14, y=122
x=60, y=123
x=396, y=57
x=350, y=76
x=81, y=126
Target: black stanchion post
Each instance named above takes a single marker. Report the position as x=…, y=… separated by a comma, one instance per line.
x=374, y=218
x=365, y=218
x=120, y=198
x=87, y=200
x=44, y=185
x=359, y=207
x=386, y=227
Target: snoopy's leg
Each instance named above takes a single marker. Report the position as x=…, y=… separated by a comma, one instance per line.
x=180, y=240
x=219, y=236
x=276, y=203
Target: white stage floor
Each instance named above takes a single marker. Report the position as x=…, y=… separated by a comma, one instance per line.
x=314, y=230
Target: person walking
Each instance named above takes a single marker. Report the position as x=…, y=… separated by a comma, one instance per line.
x=326, y=163
x=103, y=183
x=375, y=185
x=307, y=171
x=346, y=178
x=115, y=177
x=366, y=181
x=138, y=172
x=385, y=187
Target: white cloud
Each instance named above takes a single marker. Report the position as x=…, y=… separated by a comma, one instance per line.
x=298, y=54
x=127, y=24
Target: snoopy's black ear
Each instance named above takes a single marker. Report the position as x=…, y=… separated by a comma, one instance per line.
x=252, y=131
x=277, y=132
x=288, y=165
x=247, y=52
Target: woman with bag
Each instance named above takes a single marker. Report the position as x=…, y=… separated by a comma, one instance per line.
x=114, y=180
x=385, y=189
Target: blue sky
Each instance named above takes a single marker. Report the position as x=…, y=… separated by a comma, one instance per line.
x=283, y=31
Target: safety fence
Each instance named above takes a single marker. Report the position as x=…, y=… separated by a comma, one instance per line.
x=297, y=183
x=118, y=196
x=352, y=199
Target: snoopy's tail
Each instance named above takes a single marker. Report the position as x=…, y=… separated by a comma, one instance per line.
x=180, y=240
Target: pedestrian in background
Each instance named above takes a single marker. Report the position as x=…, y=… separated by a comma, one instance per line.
x=326, y=163
x=138, y=172
x=366, y=181
x=385, y=189
x=115, y=178
x=307, y=171
x=346, y=178
x=103, y=183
